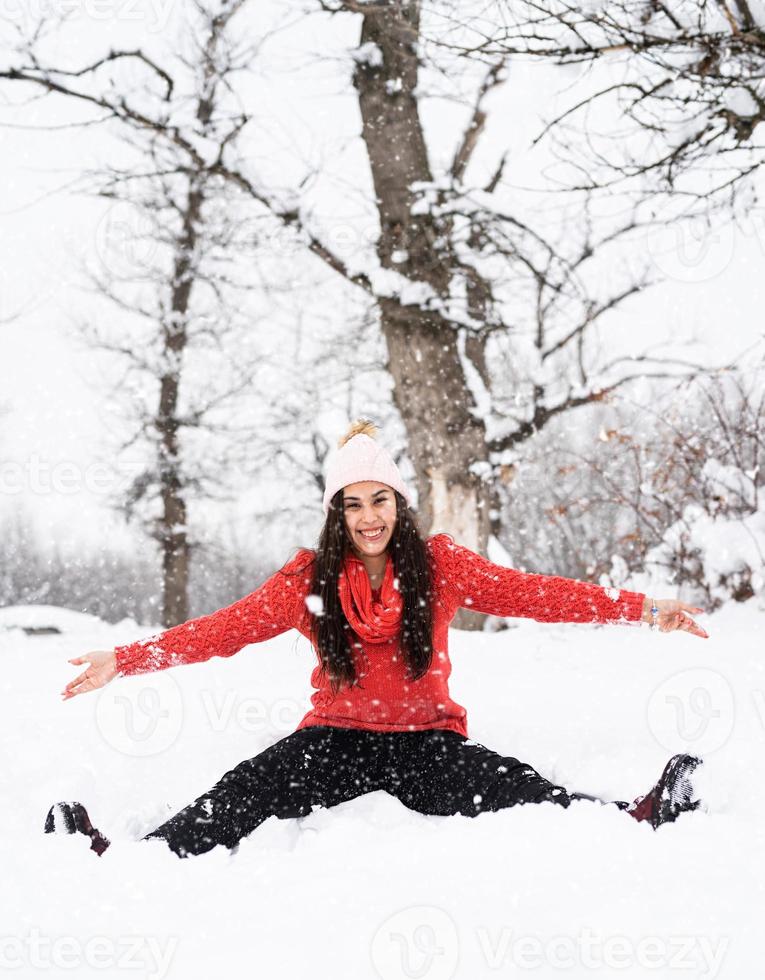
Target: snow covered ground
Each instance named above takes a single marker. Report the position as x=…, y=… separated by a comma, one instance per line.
x=369, y=888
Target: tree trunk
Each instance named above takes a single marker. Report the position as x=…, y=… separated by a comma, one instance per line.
x=171, y=530
x=446, y=439
x=175, y=556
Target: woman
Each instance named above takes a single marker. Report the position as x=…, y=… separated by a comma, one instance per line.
x=376, y=601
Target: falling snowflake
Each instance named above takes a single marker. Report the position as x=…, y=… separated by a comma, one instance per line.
x=315, y=604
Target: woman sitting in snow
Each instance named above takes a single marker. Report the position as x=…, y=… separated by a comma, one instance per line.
x=376, y=601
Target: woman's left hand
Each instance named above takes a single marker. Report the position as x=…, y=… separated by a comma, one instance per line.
x=673, y=615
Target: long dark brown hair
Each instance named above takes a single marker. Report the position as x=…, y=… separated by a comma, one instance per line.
x=331, y=632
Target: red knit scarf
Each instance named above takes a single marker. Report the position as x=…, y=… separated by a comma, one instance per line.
x=374, y=620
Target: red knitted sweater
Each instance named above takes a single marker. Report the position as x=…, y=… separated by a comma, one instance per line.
x=385, y=699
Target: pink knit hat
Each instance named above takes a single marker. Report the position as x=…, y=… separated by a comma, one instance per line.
x=359, y=457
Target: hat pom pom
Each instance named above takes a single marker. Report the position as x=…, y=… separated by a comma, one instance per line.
x=360, y=427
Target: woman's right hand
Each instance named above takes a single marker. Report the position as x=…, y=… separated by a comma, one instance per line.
x=102, y=669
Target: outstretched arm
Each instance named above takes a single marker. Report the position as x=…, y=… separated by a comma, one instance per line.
x=271, y=609
x=276, y=606
x=478, y=584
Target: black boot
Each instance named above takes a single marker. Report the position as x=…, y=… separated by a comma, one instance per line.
x=71, y=818
x=672, y=795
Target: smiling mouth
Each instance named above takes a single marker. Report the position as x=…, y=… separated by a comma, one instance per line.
x=374, y=535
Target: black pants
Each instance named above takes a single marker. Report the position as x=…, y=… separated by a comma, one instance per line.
x=435, y=772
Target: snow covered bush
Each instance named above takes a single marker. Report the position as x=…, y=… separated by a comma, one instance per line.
x=668, y=491
x=720, y=547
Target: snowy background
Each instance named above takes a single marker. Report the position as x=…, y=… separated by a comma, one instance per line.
x=367, y=889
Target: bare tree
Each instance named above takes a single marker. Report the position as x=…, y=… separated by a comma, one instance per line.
x=688, y=76
x=447, y=322
x=183, y=335
x=481, y=358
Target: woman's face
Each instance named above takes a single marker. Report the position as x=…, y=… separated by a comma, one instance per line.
x=369, y=507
